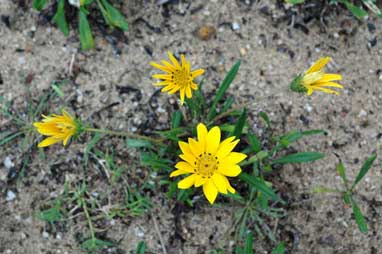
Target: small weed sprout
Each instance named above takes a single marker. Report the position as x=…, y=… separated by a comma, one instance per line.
x=111, y=15
x=348, y=191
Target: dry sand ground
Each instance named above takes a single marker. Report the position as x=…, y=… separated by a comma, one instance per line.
x=272, y=53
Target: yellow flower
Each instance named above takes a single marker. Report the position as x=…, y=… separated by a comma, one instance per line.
x=209, y=162
x=57, y=128
x=316, y=79
x=177, y=77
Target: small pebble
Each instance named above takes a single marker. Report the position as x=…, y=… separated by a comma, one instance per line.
x=235, y=26
x=362, y=113
x=45, y=235
x=8, y=162
x=308, y=108
x=10, y=196
x=243, y=51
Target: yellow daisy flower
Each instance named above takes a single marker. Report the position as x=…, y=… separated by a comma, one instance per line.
x=316, y=79
x=177, y=77
x=57, y=128
x=209, y=162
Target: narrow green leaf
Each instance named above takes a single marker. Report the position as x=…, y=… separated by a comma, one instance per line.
x=347, y=198
x=86, y=36
x=359, y=218
x=255, y=158
x=320, y=190
x=299, y=158
x=293, y=136
x=138, y=143
x=342, y=173
x=240, y=124
x=97, y=137
x=60, y=19
x=371, y=4
x=280, y=249
x=248, y=248
x=58, y=91
x=254, y=142
x=223, y=88
x=39, y=4
x=176, y=119
x=141, y=248
x=364, y=169
x=357, y=11
x=227, y=104
x=7, y=139
x=265, y=117
x=112, y=16
x=259, y=185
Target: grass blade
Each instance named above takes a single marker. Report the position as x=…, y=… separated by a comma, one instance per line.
x=361, y=222
x=299, y=158
x=342, y=173
x=240, y=124
x=86, y=36
x=364, y=169
x=248, y=248
x=60, y=19
x=223, y=88
x=259, y=185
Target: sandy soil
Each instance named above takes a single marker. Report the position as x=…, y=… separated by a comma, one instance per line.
x=272, y=52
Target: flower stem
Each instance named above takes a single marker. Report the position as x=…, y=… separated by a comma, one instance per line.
x=124, y=134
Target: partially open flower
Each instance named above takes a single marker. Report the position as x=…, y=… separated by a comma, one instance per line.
x=316, y=79
x=209, y=162
x=58, y=128
x=177, y=77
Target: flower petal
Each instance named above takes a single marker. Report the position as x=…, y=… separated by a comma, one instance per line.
x=233, y=158
x=48, y=141
x=161, y=67
x=185, y=167
x=202, y=136
x=226, y=147
x=178, y=172
x=318, y=65
x=184, y=147
x=197, y=72
x=187, y=182
x=210, y=191
x=199, y=180
x=329, y=77
x=229, y=170
x=181, y=93
x=213, y=140
x=325, y=90
x=189, y=157
x=195, y=147
x=173, y=60
x=220, y=182
x=328, y=84
x=229, y=187
x=188, y=92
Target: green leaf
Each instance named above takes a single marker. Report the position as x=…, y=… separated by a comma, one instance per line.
x=255, y=158
x=265, y=117
x=86, y=36
x=151, y=160
x=259, y=184
x=240, y=124
x=248, y=248
x=176, y=119
x=299, y=158
x=364, y=169
x=60, y=19
x=254, y=142
x=293, y=136
x=320, y=190
x=280, y=249
x=373, y=7
x=112, y=16
x=223, y=88
x=342, y=173
x=94, y=244
x=141, y=248
x=39, y=4
x=361, y=222
x=347, y=198
x=97, y=137
x=227, y=104
x=7, y=139
x=357, y=11
x=138, y=143
x=58, y=91
x=50, y=215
